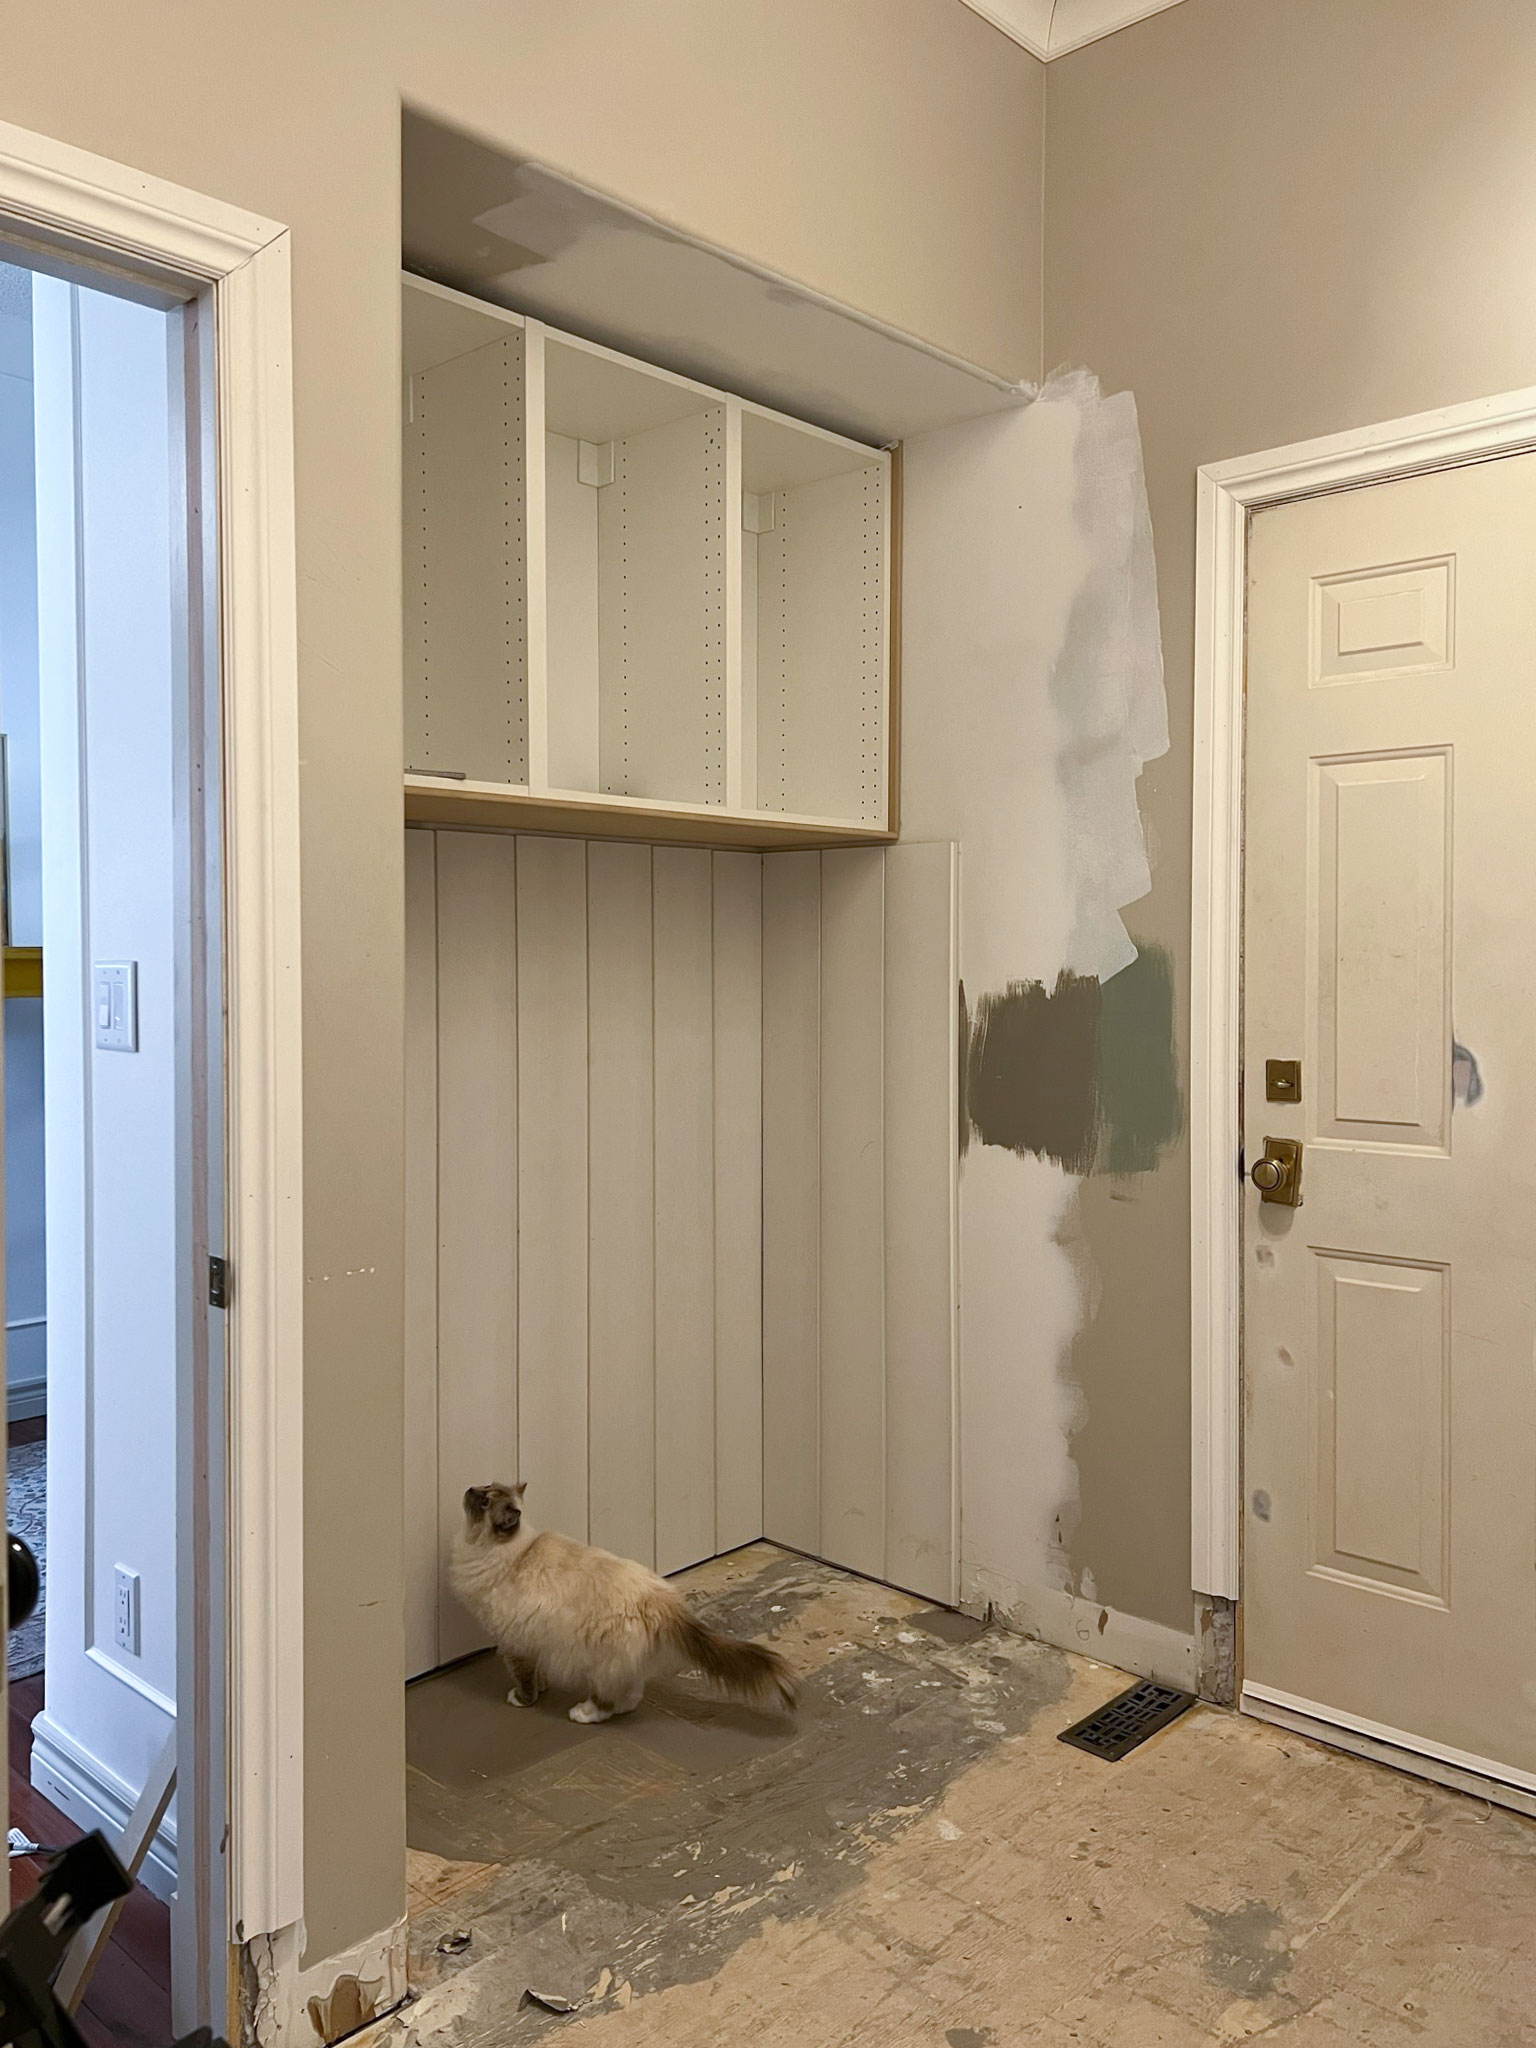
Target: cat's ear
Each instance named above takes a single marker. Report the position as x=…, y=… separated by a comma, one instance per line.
x=519, y=1490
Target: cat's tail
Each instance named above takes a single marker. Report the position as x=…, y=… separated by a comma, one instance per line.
x=748, y=1671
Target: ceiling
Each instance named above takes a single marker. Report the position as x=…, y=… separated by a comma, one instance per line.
x=1049, y=28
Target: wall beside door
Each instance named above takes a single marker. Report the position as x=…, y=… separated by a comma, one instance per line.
x=1271, y=221
x=106, y=641
x=26, y=1306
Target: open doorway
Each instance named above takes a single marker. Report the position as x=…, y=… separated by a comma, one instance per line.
x=104, y=1062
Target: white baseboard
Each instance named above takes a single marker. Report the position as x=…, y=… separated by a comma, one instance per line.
x=82, y=1787
x=26, y=1368
x=26, y=1404
x=1147, y=1649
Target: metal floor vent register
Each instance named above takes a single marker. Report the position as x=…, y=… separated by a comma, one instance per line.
x=1116, y=1728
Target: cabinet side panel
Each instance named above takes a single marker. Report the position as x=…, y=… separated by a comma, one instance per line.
x=661, y=547
x=465, y=567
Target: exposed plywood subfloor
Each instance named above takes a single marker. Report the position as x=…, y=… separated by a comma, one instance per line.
x=920, y=1861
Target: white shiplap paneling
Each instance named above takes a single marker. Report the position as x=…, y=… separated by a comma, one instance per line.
x=686, y=1123
x=860, y=1161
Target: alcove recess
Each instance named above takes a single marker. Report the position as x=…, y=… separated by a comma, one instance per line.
x=636, y=607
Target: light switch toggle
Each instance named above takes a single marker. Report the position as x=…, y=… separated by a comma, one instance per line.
x=115, y=986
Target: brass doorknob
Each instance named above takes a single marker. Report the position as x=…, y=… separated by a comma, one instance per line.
x=1277, y=1176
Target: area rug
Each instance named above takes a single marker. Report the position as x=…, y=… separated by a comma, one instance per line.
x=26, y=1506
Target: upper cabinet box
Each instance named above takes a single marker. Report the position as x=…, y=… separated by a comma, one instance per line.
x=634, y=605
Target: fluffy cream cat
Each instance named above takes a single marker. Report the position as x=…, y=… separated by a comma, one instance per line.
x=562, y=1613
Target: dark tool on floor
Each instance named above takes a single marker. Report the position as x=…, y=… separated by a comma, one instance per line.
x=1115, y=1729
x=35, y=1939
x=80, y=1882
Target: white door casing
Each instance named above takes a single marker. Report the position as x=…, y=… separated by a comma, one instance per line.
x=63, y=205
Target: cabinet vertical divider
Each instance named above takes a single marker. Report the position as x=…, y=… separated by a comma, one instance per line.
x=537, y=566
x=736, y=796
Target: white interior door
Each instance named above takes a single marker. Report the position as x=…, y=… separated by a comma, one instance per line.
x=1390, y=1449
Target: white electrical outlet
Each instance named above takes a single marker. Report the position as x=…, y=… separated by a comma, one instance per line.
x=125, y=1609
x=116, y=997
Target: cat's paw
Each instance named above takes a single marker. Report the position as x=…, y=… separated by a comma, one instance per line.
x=588, y=1711
x=517, y=1699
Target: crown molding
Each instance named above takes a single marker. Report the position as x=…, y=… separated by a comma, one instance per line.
x=1050, y=28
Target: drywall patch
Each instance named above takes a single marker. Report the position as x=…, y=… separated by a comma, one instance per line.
x=1033, y=697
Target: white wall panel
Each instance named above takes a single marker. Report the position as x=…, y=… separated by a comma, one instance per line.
x=738, y=1140
x=693, y=1275
x=552, y=1178
x=683, y=926
x=860, y=1168
x=792, y=1199
x=621, y=1284
x=921, y=1276
x=853, y=1209
x=477, y=1216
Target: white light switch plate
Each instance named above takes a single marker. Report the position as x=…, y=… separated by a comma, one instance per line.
x=115, y=1000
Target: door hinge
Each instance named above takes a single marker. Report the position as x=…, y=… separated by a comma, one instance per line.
x=220, y=1280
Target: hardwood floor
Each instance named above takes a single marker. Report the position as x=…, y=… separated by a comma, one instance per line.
x=128, y=2000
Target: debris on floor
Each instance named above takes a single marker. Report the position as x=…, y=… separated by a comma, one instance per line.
x=917, y=1859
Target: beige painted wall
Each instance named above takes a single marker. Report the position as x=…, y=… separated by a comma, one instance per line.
x=885, y=151
x=1269, y=220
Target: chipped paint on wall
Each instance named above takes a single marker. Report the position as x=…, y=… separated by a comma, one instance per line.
x=1033, y=695
x=288, y=2003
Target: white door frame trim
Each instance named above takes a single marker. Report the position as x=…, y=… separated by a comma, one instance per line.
x=1228, y=493
x=92, y=206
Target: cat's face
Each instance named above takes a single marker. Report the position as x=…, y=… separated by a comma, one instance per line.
x=494, y=1512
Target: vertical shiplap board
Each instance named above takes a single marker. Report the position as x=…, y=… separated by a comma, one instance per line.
x=738, y=1139
x=853, y=1209
x=620, y=1153
x=921, y=1188
x=683, y=925
x=552, y=1179
x=421, y=1527
x=477, y=1211
x=792, y=1199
